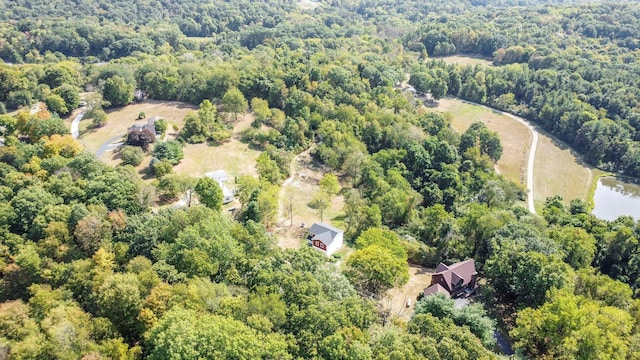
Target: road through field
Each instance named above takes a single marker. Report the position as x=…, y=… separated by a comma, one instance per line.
x=532, y=151
x=530, y=161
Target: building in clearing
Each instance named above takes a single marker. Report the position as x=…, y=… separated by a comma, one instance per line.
x=150, y=125
x=453, y=280
x=325, y=238
x=221, y=177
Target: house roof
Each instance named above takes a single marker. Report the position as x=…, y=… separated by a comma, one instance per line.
x=226, y=192
x=323, y=232
x=435, y=289
x=219, y=175
x=453, y=275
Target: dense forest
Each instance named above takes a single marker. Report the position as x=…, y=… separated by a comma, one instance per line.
x=92, y=268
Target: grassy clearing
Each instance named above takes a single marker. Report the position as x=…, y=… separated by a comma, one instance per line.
x=308, y=4
x=515, y=137
x=465, y=60
x=120, y=119
x=558, y=170
x=234, y=156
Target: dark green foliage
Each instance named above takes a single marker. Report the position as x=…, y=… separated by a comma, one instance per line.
x=184, y=334
x=479, y=136
x=70, y=95
x=115, y=191
x=28, y=203
x=472, y=316
x=160, y=168
x=170, y=151
x=107, y=270
x=161, y=126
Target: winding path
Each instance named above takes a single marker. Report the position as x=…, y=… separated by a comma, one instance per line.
x=532, y=150
x=75, y=124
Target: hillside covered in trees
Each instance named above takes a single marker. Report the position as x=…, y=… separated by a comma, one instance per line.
x=91, y=268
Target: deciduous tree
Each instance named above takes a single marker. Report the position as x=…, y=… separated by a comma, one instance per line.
x=209, y=193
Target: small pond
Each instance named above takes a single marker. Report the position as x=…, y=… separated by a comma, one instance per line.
x=614, y=198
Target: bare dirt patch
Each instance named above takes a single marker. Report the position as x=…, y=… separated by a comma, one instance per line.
x=514, y=136
x=395, y=301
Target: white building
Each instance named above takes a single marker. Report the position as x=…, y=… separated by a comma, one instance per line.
x=221, y=177
x=325, y=238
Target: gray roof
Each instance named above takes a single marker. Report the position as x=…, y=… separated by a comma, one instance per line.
x=323, y=232
x=219, y=175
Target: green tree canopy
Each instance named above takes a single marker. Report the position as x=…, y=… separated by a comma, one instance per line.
x=374, y=269
x=209, y=193
x=233, y=102
x=117, y=91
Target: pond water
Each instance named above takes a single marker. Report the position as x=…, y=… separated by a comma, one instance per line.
x=614, y=198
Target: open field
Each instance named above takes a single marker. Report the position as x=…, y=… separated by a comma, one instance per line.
x=514, y=136
x=558, y=170
x=234, y=156
x=396, y=299
x=464, y=60
x=308, y=4
x=120, y=119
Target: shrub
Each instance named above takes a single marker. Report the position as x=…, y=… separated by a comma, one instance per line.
x=161, y=126
x=170, y=151
x=141, y=138
x=99, y=118
x=131, y=155
x=161, y=168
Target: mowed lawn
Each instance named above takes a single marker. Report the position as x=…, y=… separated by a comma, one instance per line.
x=514, y=136
x=120, y=119
x=464, y=60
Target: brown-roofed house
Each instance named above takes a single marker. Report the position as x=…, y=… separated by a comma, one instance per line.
x=453, y=279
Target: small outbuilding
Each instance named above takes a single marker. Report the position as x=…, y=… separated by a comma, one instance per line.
x=221, y=177
x=325, y=238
